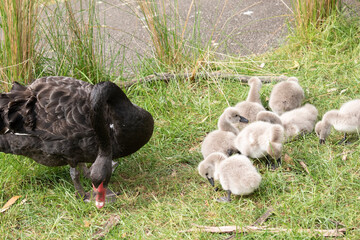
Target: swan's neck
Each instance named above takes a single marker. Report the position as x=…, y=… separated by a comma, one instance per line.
x=254, y=93
x=329, y=119
x=132, y=131
x=342, y=122
x=215, y=163
x=332, y=118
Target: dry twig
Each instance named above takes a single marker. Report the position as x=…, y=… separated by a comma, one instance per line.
x=236, y=229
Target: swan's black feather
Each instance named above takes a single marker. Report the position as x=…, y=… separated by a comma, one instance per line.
x=52, y=122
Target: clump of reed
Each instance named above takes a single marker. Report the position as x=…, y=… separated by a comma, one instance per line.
x=17, y=41
x=176, y=45
x=312, y=14
x=76, y=46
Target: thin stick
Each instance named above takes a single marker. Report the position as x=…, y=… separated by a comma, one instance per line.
x=236, y=229
x=219, y=75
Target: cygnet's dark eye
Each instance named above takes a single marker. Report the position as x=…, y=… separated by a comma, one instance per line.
x=206, y=174
x=237, y=115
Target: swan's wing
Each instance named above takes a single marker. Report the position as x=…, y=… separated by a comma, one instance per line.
x=50, y=108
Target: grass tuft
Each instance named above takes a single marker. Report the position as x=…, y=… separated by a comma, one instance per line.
x=76, y=46
x=176, y=41
x=17, y=41
x=311, y=15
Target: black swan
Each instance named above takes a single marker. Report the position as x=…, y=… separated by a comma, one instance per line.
x=60, y=120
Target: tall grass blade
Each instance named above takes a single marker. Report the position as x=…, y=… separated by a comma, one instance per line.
x=174, y=49
x=17, y=46
x=311, y=14
x=76, y=47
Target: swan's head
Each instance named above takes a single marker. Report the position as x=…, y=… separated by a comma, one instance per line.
x=233, y=116
x=100, y=173
x=255, y=80
x=322, y=130
x=206, y=168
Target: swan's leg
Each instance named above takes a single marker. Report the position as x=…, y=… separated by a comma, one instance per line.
x=225, y=199
x=85, y=170
x=270, y=164
x=75, y=176
x=343, y=140
x=114, y=165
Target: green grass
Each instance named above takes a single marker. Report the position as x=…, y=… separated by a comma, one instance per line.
x=161, y=191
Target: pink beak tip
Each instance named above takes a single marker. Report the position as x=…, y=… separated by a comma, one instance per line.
x=99, y=205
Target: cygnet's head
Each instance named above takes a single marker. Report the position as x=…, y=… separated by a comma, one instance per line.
x=206, y=167
x=322, y=131
x=233, y=116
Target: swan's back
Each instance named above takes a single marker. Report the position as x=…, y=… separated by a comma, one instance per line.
x=351, y=107
x=63, y=107
x=286, y=96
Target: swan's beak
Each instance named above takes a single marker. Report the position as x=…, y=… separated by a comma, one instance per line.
x=244, y=120
x=322, y=141
x=100, y=192
x=211, y=181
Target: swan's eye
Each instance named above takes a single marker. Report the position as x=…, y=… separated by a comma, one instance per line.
x=206, y=174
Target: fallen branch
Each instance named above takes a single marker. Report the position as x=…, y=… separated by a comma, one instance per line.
x=166, y=77
x=236, y=229
x=110, y=223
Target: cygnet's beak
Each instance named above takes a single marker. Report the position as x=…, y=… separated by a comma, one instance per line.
x=322, y=141
x=244, y=120
x=211, y=181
